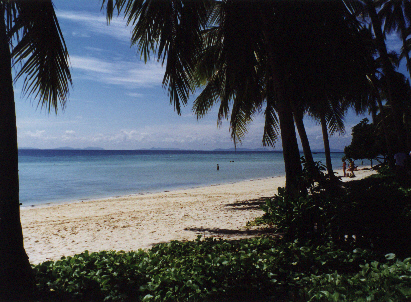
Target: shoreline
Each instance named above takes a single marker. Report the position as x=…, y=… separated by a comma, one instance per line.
x=137, y=194
x=139, y=221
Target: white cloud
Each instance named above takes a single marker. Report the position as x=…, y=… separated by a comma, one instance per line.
x=36, y=134
x=91, y=64
x=135, y=95
x=129, y=75
x=97, y=23
x=81, y=35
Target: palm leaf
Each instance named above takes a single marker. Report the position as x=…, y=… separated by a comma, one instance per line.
x=42, y=53
x=172, y=31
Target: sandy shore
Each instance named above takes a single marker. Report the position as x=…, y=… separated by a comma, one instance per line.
x=139, y=221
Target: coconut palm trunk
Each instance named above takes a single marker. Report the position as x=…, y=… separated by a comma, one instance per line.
x=16, y=277
x=290, y=150
x=299, y=123
x=326, y=145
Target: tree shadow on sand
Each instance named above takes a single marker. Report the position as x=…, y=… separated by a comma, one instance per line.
x=229, y=232
x=254, y=204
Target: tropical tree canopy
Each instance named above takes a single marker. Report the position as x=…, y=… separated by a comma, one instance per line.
x=365, y=144
x=251, y=56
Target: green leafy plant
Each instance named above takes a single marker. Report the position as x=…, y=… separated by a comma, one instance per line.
x=390, y=281
x=258, y=269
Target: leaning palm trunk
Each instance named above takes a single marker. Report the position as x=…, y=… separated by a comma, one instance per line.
x=326, y=145
x=16, y=277
x=290, y=150
x=298, y=119
x=291, y=153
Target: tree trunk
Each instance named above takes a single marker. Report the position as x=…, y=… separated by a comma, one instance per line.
x=16, y=277
x=384, y=129
x=389, y=73
x=326, y=146
x=298, y=119
x=288, y=136
x=290, y=149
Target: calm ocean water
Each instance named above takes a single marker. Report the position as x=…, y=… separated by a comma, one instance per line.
x=48, y=176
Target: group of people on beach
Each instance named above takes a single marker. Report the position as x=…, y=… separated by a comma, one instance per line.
x=351, y=168
x=402, y=165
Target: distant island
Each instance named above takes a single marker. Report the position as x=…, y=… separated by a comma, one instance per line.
x=63, y=148
x=177, y=149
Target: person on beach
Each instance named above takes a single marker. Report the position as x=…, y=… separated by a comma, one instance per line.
x=352, y=167
x=344, y=166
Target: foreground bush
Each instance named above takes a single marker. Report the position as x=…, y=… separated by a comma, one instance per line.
x=373, y=213
x=259, y=269
x=374, y=282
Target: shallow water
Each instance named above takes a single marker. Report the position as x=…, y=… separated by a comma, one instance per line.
x=48, y=176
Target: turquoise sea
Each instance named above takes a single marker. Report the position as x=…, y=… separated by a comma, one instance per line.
x=49, y=176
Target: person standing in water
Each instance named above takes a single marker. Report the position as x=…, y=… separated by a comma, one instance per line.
x=218, y=167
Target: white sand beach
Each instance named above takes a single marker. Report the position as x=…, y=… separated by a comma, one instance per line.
x=139, y=221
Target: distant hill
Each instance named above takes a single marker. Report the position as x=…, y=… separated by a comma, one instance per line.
x=28, y=148
x=63, y=148
x=246, y=149
x=164, y=149
x=93, y=148
x=322, y=150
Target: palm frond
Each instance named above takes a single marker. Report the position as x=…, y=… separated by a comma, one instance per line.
x=335, y=117
x=172, y=31
x=42, y=53
x=209, y=96
x=271, y=125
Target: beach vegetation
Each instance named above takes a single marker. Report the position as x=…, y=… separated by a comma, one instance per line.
x=366, y=143
x=31, y=47
x=373, y=213
x=208, y=269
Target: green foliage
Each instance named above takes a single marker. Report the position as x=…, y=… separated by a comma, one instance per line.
x=373, y=213
x=375, y=281
x=366, y=142
x=258, y=269
x=309, y=216
x=304, y=218
x=377, y=212
x=176, y=271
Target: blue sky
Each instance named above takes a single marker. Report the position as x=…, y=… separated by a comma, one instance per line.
x=118, y=102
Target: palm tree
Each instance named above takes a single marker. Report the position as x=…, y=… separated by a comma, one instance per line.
x=174, y=31
x=396, y=15
x=370, y=7
x=247, y=54
x=30, y=37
